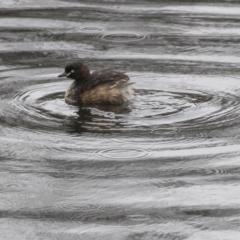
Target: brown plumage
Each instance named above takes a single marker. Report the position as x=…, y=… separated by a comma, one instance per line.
x=100, y=87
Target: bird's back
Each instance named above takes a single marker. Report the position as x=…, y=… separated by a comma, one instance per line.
x=104, y=76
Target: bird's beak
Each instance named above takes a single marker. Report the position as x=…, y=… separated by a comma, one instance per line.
x=62, y=75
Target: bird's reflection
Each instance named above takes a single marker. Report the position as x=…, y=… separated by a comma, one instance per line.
x=96, y=118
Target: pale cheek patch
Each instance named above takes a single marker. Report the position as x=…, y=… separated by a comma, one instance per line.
x=72, y=71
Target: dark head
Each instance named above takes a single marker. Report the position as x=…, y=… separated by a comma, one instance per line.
x=76, y=70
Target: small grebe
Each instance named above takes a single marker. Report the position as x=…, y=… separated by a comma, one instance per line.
x=100, y=87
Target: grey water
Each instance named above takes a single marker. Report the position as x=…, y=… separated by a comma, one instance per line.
x=164, y=167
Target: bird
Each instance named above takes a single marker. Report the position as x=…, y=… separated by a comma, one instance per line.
x=100, y=87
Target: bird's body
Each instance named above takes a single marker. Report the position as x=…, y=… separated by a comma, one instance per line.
x=100, y=87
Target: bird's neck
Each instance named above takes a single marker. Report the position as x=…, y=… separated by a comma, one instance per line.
x=82, y=74
x=80, y=84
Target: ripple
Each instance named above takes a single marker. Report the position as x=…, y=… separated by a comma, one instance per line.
x=91, y=29
x=138, y=217
x=122, y=154
x=222, y=171
x=39, y=103
x=168, y=109
x=120, y=37
x=71, y=207
x=9, y=184
x=128, y=172
x=168, y=183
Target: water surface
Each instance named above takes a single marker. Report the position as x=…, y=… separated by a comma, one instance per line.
x=164, y=167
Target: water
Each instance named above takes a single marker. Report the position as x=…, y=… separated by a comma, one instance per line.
x=166, y=166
